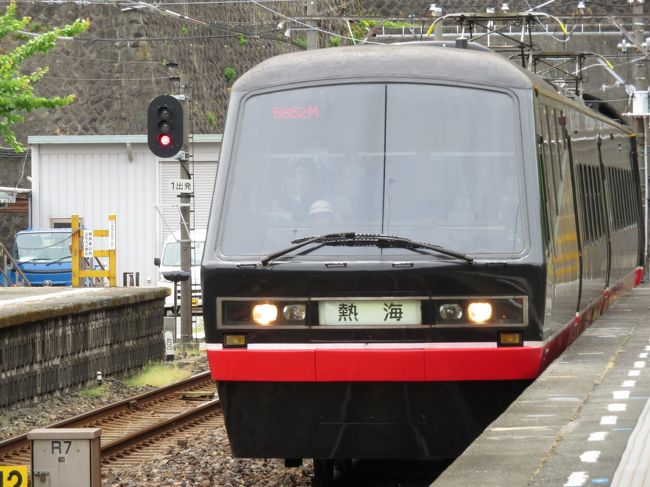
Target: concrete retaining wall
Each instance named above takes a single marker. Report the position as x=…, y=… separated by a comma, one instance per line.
x=58, y=341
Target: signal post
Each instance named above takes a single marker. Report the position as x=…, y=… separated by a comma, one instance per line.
x=167, y=136
x=186, y=244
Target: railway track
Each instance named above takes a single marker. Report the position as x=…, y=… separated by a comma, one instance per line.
x=137, y=429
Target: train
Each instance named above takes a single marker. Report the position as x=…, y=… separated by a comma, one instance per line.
x=402, y=238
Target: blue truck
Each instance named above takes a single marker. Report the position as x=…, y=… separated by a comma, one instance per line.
x=43, y=256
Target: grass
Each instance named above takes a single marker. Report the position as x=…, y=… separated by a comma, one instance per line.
x=158, y=375
x=94, y=392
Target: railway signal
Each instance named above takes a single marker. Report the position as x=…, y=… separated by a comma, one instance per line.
x=165, y=126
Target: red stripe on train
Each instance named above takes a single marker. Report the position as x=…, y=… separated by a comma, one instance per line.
x=363, y=365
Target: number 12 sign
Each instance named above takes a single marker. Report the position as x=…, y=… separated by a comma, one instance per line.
x=14, y=476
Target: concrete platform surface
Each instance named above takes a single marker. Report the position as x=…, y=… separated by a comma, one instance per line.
x=23, y=304
x=585, y=415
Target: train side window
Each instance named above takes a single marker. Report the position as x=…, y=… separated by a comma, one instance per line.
x=624, y=195
x=583, y=204
x=593, y=205
x=629, y=197
x=559, y=138
x=633, y=201
x=591, y=209
x=552, y=156
x=612, y=196
x=621, y=202
x=600, y=201
x=542, y=154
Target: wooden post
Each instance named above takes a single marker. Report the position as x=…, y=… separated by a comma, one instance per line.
x=75, y=251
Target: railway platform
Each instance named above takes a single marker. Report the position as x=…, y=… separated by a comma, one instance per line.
x=584, y=422
x=55, y=339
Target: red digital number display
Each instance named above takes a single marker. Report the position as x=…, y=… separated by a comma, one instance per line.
x=295, y=113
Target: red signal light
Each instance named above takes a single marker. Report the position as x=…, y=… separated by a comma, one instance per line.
x=165, y=133
x=164, y=140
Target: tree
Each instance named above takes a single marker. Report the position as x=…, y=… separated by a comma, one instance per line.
x=17, y=89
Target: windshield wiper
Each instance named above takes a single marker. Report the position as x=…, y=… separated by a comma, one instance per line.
x=302, y=242
x=59, y=259
x=373, y=239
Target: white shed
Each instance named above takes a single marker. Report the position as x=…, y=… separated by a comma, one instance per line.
x=94, y=176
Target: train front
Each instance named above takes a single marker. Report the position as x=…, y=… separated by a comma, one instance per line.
x=369, y=266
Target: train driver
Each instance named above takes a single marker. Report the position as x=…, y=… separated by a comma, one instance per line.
x=321, y=217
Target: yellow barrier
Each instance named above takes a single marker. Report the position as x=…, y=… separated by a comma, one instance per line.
x=84, y=248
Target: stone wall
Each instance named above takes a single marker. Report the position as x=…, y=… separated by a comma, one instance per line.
x=118, y=65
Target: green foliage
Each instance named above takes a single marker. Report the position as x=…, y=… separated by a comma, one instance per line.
x=229, y=73
x=301, y=42
x=242, y=39
x=211, y=118
x=184, y=30
x=334, y=41
x=16, y=89
x=36, y=27
x=361, y=28
x=95, y=392
x=391, y=24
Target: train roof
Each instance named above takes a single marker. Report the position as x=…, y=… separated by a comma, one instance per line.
x=387, y=62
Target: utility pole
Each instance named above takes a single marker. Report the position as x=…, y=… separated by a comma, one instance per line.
x=312, y=34
x=186, y=242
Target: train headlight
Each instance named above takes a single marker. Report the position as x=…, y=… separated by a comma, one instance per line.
x=265, y=314
x=479, y=311
x=265, y=311
x=450, y=311
x=294, y=312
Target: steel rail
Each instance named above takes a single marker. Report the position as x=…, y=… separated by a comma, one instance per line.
x=20, y=442
x=157, y=430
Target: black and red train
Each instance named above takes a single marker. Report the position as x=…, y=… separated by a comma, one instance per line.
x=401, y=239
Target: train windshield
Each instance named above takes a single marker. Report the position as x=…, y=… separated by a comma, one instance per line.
x=431, y=163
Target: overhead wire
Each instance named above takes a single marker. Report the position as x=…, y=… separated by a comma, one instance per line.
x=310, y=27
x=207, y=24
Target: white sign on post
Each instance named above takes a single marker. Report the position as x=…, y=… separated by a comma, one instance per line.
x=182, y=186
x=169, y=345
x=88, y=244
x=111, y=234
